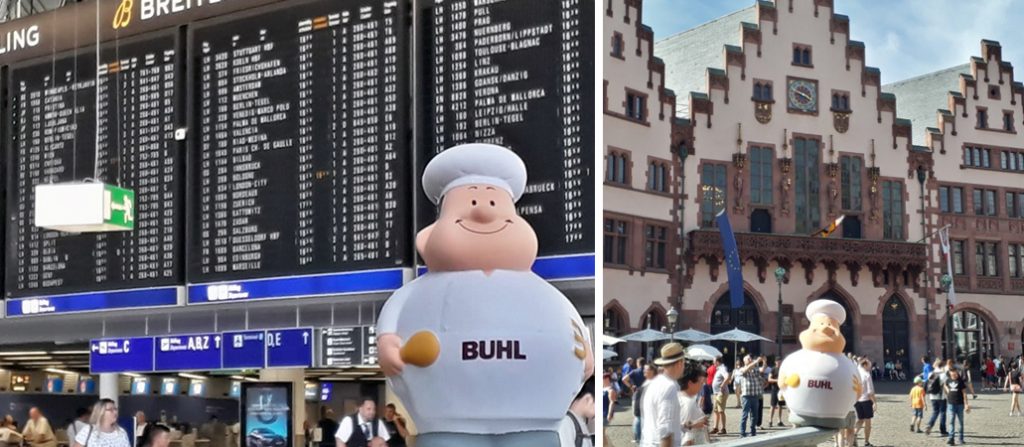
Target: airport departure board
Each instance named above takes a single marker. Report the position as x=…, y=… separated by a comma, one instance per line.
x=519, y=73
x=75, y=118
x=301, y=149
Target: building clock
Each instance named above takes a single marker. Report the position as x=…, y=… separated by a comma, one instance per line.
x=802, y=95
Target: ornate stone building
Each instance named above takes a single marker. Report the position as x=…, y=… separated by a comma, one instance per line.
x=972, y=118
x=787, y=130
x=640, y=183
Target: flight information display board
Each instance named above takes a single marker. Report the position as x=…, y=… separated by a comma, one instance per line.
x=519, y=73
x=301, y=148
x=73, y=118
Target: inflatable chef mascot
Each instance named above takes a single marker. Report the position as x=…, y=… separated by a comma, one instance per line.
x=819, y=383
x=480, y=350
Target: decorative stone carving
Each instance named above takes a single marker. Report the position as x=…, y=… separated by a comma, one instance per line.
x=808, y=266
x=873, y=174
x=833, y=188
x=785, y=164
x=738, y=160
x=841, y=121
x=763, y=112
x=854, y=268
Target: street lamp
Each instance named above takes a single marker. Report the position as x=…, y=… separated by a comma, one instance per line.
x=779, y=274
x=673, y=317
x=946, y=281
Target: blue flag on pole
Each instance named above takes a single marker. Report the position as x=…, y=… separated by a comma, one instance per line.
x=732, y=260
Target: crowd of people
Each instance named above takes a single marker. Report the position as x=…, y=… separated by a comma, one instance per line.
x=92, y=427
x=686, y=401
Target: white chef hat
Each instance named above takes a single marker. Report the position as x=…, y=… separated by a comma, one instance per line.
x=828, y=308
x=474, y=163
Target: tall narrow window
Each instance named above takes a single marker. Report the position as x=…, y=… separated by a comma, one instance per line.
x=1008, y=121
x=1013, y=267
x=617, y=45
x=713, y=193
x=655, y=240
x=1011, y=205
x=1020, y=205
x=1003, y=163
x=807, y=188
x=657, y=172
x=958, y=200
x=850, y=168
x=958, y=257
x=1013, y=161
x=636, y=104
x=990, y=203
x=985, y=153
x=892, y=210
x=944, y=199
x=979, y=204
x=985, y=262
x=616, y=241
x=617, y=167
x=761, y=175
x=982, y=119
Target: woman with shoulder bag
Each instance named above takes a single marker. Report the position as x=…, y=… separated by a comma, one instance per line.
x=1013, y=383
x=103, y=430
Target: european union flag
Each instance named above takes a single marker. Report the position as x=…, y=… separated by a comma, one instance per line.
x=732, y=260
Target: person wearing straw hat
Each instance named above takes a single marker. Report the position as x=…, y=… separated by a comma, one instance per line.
x=481, y=327
x=661, y=407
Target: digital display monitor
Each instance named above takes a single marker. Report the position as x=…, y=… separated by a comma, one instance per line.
x=140, y=385
x=197, y=389
x=55, y=384
x=266, y=414
x=86, y=385
x=236, y=389
x=170, y=387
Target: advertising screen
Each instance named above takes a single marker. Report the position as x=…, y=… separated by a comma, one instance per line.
x=266, y=414
x=140, y=385
x=170, y=387
x=86, y=385
x=54, y=384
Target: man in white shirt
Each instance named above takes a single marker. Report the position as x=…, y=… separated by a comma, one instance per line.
x=865, y=405
x=574, y=431
x=81, y=421
x=720, y=387
x=695, y=423
x=661, y=421
x=362, y=429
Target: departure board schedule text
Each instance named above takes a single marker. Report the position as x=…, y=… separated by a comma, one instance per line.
x=113, y=120
x=301, y=148
x=519, y=73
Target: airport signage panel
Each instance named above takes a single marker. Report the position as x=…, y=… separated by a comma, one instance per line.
x=290, y=348
x=243, y=350
x=198, y=352
x=121, y=355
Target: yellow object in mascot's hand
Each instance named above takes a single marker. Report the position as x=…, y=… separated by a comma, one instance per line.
x=818, y=383
x=480, y=350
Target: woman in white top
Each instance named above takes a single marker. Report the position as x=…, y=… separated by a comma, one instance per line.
x=103, y=430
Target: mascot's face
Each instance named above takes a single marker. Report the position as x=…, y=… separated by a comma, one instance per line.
x=823, y=335
x=478, y=229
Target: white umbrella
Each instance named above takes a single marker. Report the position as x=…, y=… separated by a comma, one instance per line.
x=647, y=336
x=737, y=336
x=702, y=352
x=692, y=335
x=608, y=340
x=609, y=354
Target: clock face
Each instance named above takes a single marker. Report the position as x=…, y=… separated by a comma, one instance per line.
x=803, y=95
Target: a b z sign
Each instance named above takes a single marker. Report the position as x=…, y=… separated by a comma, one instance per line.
x=149, y=9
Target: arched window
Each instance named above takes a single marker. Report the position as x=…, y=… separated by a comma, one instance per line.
x=896, y=333
x=725, y=318
x=972, y=337
x=616, y=325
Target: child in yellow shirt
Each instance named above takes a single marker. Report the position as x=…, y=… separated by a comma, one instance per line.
x=917, y=404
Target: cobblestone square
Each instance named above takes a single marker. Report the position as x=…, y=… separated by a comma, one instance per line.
x=988, y=423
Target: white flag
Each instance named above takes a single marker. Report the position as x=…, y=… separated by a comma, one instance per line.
x=944, y=241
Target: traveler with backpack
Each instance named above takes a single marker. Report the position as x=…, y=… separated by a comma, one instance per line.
x=573, y=432
x=937, y=397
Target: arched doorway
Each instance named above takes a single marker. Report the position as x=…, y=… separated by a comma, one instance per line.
x=846, y=328
x=896, y=334
x=653, y=319
x=616, y=325
x=725, y=318
x=972, y=338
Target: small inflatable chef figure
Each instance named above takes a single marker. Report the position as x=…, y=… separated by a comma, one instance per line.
x=480, y=350
x=819, y=383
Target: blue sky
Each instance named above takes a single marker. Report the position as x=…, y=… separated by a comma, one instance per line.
x=904, y=38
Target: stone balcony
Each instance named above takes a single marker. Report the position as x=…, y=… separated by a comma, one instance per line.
x=879, y=256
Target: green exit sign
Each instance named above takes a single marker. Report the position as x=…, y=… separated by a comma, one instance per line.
x=119, y=207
